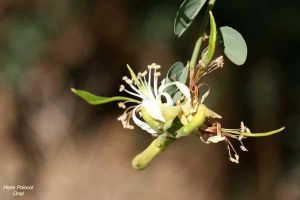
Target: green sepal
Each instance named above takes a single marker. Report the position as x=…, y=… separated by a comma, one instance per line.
x=97, y=100
x=212, y=39
x=262, y=134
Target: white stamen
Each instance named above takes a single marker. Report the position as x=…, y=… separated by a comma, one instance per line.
x=157, y=74
x=149, y=77
x=135, y=89
x=133, y=94
x=243, y=148
x=153, y=66
x=144, y=73
x=122, y=87
x=128, y=81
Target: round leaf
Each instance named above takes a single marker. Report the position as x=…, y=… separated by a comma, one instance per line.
x=235, y=47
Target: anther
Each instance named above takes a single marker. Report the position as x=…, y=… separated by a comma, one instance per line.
x=121, y=105
x=144, y=73
x=122, y=87
x=128, y=81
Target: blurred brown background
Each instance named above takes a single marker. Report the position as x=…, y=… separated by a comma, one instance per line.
x=67, y=149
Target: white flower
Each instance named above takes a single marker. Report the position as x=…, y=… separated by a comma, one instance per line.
x=151, y=97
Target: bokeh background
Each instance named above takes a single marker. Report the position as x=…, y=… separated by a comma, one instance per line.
x=68, y=149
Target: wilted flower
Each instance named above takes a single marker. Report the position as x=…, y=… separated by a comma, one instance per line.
x=217, y=134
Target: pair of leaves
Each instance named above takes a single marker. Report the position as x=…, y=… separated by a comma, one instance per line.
x=234, y=45
x=97, y=100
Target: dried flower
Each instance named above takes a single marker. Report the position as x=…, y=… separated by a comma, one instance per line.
x=217, y=134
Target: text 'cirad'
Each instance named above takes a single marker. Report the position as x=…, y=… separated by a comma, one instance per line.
x=18, y=190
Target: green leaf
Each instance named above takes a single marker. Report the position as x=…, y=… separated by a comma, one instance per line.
x=212, y=39
x=187, y=12
x=184, y=74
x=235, y=47
x=175, y=72
x=178, y=72
x=96, y=100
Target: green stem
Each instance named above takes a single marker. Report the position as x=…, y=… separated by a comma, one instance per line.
x=202, y=31
x=157, y=146
x=196, y=52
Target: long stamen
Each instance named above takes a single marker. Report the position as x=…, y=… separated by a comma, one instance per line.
x=149, y=77
x=215, y=64
x=229, y=145
x=156, y=75
x=148, y=92
x=143, y=79
x=143, y=84
x=122, y=88
x=130, y=83
x=123, y=104
x=129, y=108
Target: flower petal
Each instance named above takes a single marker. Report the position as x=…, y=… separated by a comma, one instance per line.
x=182, y=87
x=215, y=139
x=153, y=109
x=141, y=124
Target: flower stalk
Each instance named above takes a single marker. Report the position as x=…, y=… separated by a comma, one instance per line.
x=157, y=146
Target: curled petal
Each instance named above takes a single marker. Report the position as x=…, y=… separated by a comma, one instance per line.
x=182, y=87
x=141, y=124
